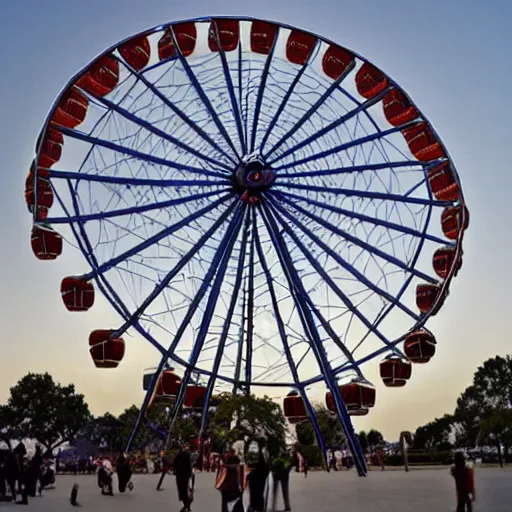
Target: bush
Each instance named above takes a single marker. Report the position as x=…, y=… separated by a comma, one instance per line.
x=421, y=458
x=313, y=455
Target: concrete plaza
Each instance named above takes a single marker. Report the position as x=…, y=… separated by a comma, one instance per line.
x=421, y=490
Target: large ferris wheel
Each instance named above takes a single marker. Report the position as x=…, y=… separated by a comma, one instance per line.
x=263, y=206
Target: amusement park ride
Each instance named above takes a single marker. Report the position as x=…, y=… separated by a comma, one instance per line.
x=262, y=205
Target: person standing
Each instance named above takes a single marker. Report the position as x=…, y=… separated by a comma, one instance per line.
x=464, y=483
x=281, y=469
x=183, y=472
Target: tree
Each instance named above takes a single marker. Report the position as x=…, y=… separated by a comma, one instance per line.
x=330, y=428
x=9, y=430
x=248, y=419
x=363, y=441
x=105, y=432
x=434, y=435
x=496, y=429
x=491, y=391
x=46, y=411
x=375, y=438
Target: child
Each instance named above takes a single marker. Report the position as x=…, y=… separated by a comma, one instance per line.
x=464, y=475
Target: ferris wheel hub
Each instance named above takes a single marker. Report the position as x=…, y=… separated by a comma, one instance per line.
x=252, y=177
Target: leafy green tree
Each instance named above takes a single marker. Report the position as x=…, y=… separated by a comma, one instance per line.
x=46, y=411
x=491, y=391
x=249, y=419
x=363, y=441
x=105, y=432
x=375, y=438
x=330, y=428
x=434, y=435
x=496, y=429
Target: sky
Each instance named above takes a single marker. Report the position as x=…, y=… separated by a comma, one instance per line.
x=451, y=57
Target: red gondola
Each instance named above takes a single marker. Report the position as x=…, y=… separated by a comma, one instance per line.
x=398, y=109
x=420, y=346
x=44, y=193
x=136, y=52
x=451, y=221
x=46, y=243
x=263, y=35
x=106, y=352
x=294, y=408
x=194, y=396
x=357, y=394
x=443, y=260
x=72, y=109
x=370, y=81
x=77, y=293
x=395, y=372
x=422, y=142
x=51, y=148
x=186, y=37
x=442, y=183
x=299, y=47
x=168, y=384
x=226, y=32
x=101, y=78
x=337, y=61
x=426, y=296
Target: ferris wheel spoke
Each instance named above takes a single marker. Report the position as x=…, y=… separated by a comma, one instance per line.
x=354, y=240
x=226, y=327
x=133, y=210
x=161, y=235
x=75, y=134
x=364, y=194
x=159, y=133
x=231, y=90
x=312, y=110
x=344, y=264
x=286, y=98
x=202, y=95
x=284, y=339
x=308, y=323
x=336, y=289
x=342, y=147
x=186, y=119
x=363, y=218
x=131, y=182
x=223, y=257
x=261, y=91
x=358, y=168
x=250, y=308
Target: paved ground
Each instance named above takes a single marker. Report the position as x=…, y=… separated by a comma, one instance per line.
x=389, y=491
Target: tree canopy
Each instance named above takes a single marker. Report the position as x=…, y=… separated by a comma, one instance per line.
x=46, y=411
x=249, y=419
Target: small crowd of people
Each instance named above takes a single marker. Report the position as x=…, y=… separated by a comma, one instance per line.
x=24, y=476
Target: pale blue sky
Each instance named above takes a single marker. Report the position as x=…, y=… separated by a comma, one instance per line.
x=451, y=56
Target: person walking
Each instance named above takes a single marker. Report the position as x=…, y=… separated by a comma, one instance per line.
x=257, y=480
x=164, y=468
x=124, y=473
x=229, y=482
x=464, y=483
x=183, y=471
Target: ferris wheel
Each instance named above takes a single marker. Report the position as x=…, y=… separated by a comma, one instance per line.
x=263, y=206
